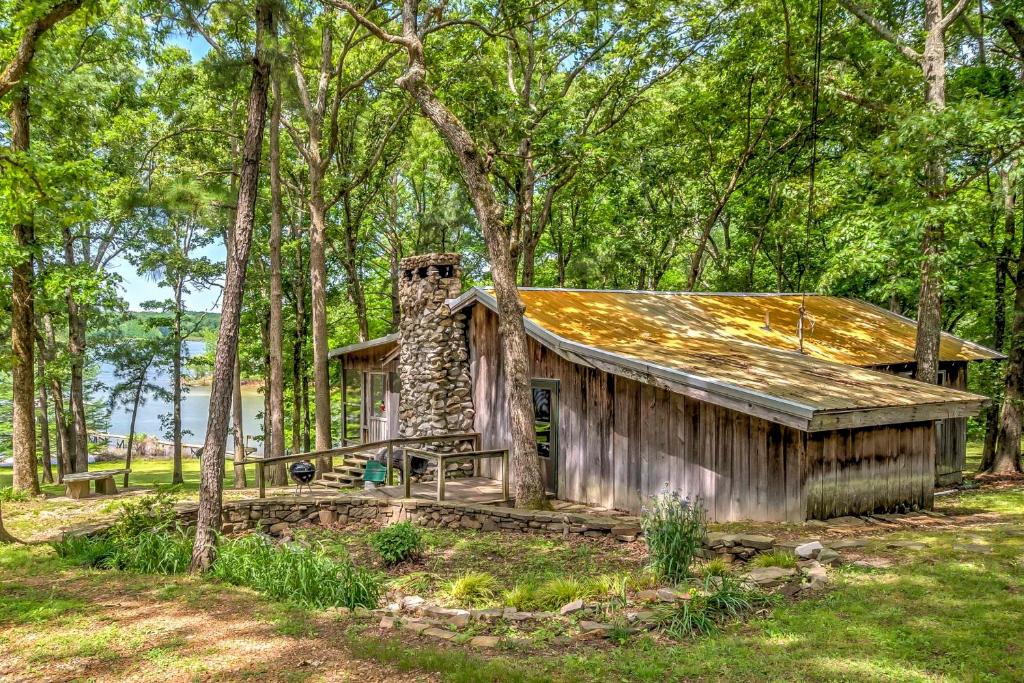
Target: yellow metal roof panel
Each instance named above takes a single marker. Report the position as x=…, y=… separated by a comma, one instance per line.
x=717, y=337
x=844, y=330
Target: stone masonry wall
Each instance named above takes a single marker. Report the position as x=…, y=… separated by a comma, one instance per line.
x=436, y=388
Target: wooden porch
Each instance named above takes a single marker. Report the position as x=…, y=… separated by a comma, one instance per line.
x=478, y=490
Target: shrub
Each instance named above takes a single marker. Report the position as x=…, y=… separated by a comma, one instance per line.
x=397, y=543
x=8, y=494
x=554, y=593
x=714, y=567
x=522, y=596
x=645, y=579
x=719, y=600
x=776, y=558
x=145, y=538
x=85, y=551
x=472, y=588
x=296, y=574
x=674, y=529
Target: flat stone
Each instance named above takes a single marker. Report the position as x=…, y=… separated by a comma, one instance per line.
x=844, y=543
x=716, y=539
x=487, y=615
x=769, y=576
x=411, y=603
x=846, y=520
x=571, y=608
x=808, y=550
x=414, y=625
x=829, y=557
x=756, y=541
x=974, y=548
x=594, y=627
x=647, y=595
x=669, y=595
x=278, y=529
x=387, y=623
x=454, y=617
x=485, y=641
x=435, y=632
x=640, y=615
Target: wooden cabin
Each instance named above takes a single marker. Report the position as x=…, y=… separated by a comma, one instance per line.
x=707, y=394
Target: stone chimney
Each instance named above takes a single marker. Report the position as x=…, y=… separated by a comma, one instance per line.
x=436, y=394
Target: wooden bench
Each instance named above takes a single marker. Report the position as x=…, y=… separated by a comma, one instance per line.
x=77, y=485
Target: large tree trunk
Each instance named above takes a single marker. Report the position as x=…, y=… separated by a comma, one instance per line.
x=79, y=435
x=318, y=291
x=64, y=456
x=275, y=331
x=988, y=450
x=23, y=431
x=356, y=294
x=212, y=473
x=526, y=468
x=44, y=423
x=298, y=340
x=929, y=308
x=4, y=536
x=177, y=477
x=1007, y=453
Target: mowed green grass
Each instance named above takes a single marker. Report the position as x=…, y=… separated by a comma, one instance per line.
x=938, y=614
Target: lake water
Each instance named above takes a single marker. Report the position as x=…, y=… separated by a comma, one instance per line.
x=195, y=408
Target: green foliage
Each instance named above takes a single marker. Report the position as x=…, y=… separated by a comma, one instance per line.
x=472, y=588
x=295, y=574
x=775, y=558
x=719, y=600
x=85, y=551
x=674, y=529
x=397, y=543
x=714, y=567
x=8, y=494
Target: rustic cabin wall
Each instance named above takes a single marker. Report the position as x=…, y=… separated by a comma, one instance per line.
x=871, y=469
x=621, y=441
x=951, y=434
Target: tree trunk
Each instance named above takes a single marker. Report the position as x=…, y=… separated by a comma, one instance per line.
x=4, y=536
x=76, y=349
x=131, y=428
x=999, y=313
x=177, y=477
x=298, y=341
x=356, y=294
x=44, y=422
x=318, y=292
x=23, y=430
x=929, y=308
x=237, y=427
x=64, y=464
x=275, y=331
x=1007, y=453
x=211, y=477
x=526, y=467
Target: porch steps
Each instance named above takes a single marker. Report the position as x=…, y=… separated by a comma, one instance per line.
x=348, y=474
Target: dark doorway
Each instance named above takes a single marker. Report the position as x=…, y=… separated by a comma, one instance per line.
x=545, y=425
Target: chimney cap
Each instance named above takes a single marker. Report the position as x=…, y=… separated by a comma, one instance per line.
x=424, y=260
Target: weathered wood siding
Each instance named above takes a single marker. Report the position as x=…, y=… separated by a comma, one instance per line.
x=871, y=469
x=951, y=435
x=621, y=441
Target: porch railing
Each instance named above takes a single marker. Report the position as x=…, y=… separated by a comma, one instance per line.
x=441, y=458
x=342, y=451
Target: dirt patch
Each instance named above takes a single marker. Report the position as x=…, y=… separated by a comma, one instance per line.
x=179, y=629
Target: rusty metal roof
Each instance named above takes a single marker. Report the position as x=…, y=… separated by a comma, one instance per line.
x=710, y=344
x=845, y=331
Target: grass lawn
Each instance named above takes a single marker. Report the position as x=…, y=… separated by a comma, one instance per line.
x=941, y=613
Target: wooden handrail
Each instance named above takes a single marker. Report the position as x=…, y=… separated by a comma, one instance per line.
x=476, y=456
x=262, y=462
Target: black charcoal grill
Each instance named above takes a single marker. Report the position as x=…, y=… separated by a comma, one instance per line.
x=302, y=473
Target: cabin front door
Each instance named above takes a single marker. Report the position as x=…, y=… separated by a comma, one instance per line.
x=545, y=424
x=376, y=412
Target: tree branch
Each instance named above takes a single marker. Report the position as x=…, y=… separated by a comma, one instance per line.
x=881, y=29
x=27, y=45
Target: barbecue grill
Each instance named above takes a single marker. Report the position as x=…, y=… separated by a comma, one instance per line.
x=302, y=473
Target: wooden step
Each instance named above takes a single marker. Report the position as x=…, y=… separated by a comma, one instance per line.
x=332, y=484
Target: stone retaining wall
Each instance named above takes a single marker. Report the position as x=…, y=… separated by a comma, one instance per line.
x=277, y=514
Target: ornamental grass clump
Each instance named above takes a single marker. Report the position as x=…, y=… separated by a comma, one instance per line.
x=472, y=589
x=674, y=529
x=296, y=574
x=716, y=602
x=397, y=543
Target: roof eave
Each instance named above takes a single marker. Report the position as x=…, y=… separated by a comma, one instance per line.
x=362, y=346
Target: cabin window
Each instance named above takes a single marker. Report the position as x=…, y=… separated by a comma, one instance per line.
x=378, y=385
x=352, y=404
